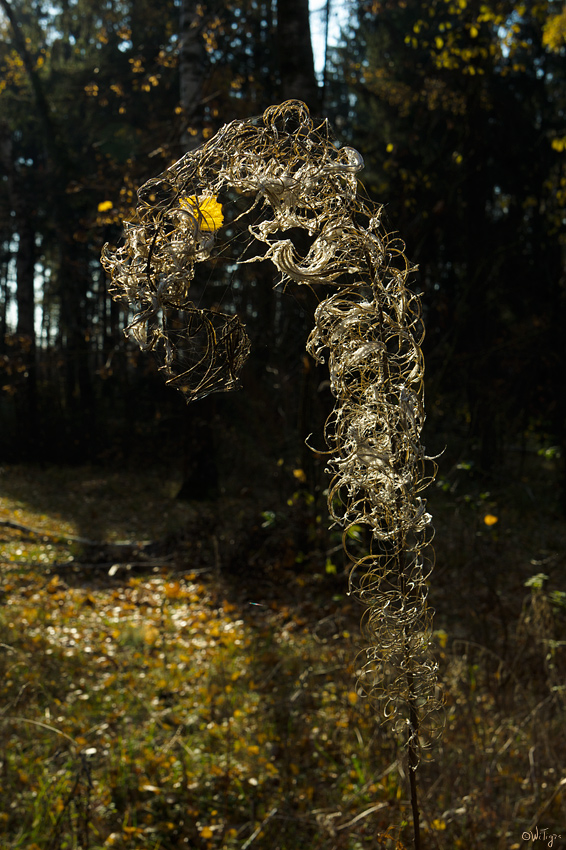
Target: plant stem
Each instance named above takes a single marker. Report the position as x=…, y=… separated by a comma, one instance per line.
x=413, y=760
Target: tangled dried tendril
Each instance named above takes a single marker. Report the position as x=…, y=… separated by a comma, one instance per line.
x=368, y=325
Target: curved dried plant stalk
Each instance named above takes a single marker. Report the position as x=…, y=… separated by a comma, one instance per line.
x=369, y=327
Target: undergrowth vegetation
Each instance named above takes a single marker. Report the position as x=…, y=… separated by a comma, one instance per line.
x=153, y=698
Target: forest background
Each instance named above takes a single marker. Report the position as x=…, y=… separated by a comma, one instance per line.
x=458, y=109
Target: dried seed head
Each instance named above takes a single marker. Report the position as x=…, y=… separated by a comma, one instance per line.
x=369, y=328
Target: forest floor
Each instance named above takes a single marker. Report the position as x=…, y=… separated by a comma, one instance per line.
x=176, y=675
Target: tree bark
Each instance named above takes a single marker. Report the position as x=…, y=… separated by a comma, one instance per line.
x=193, y=64
x=20, y=193
x=198, y=446
x=295, y=54
x=25, y=273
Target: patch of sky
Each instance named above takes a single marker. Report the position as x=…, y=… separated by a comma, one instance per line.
x=327, y=21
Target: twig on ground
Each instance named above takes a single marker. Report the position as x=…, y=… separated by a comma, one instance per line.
x=257, y=831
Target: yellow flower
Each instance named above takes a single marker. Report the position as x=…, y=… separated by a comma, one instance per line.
x=206, y=210
x=104, y=206
x=490, y=519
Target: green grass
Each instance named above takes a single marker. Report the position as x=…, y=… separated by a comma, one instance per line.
x=161, y=710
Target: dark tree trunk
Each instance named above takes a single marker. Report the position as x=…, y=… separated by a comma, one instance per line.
x=294, y=46
x=193, y=64
x=21, y=194
x=197, y=449
x=25, y=271
x=199, y=453
x=29, y=433
x=79, y=394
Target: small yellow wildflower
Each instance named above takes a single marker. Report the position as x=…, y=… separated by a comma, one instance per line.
x=104, y=206
x=490, y=519
x=206, y=210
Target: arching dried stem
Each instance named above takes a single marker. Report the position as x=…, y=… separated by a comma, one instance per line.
x=368, y=326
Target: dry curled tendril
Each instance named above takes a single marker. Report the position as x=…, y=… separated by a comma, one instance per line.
x=290, y=173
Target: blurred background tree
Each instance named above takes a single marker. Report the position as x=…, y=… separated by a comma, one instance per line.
x=458, y=110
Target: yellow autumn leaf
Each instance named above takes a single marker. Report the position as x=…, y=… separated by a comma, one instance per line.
x=173, y=590
x=206, y=210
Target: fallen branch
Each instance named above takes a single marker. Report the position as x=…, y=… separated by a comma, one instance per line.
x=362, y=815
x=85, y=541
x=256, y=832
